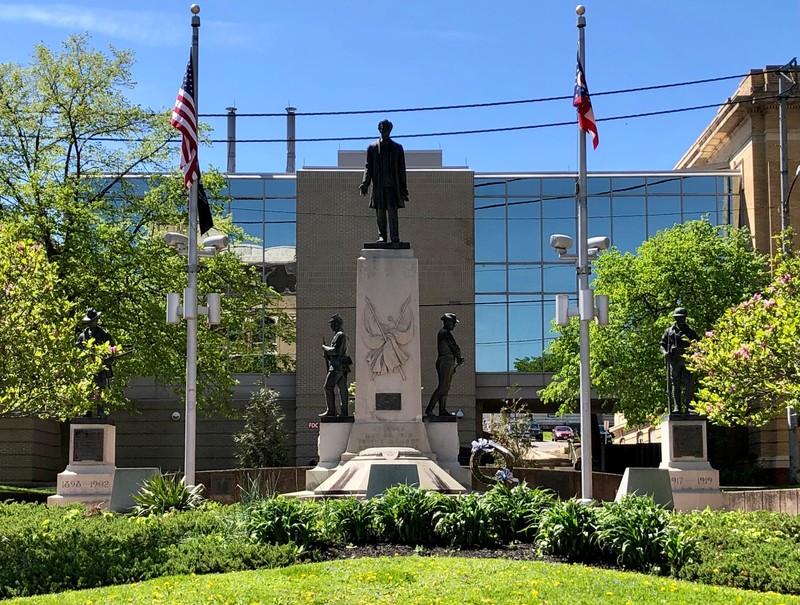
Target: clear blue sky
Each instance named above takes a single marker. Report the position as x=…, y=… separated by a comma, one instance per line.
x=324, y=55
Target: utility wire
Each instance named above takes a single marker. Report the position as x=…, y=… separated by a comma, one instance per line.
x=479, y=105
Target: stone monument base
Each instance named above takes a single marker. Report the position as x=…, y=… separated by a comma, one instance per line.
x=654, y=482
x=684, y=454
x=89, y=476
x=374, y=470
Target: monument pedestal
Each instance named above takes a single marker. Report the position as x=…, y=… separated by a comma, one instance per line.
x=388, y=407
x=89, y=476
x=684, y=454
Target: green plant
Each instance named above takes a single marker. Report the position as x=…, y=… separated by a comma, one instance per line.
x=568, y=529
x=469, y=523
x=167, y=493
x=262, y=441
x=517, y=510
x=350, y=521
x=280, y=520
x=638, y=533
x=406, y=514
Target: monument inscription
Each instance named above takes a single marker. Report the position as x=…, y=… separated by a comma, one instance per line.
x=687, y=441
x=88, y=445
x=387, y=401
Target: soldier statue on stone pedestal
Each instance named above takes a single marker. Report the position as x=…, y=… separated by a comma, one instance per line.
x=447, y=362
x=680, y=382
x=338, y=363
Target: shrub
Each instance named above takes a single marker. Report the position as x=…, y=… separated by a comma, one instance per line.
x=349, y=520
x=262, y=442
x=280, y=520
x=567, y=529
x=166, y=493
x=639, y=535
x=406, y=515
x=753, y=550
x=516, y=511
x=469, y=523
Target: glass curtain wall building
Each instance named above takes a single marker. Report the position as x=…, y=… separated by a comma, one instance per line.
x=518, y=274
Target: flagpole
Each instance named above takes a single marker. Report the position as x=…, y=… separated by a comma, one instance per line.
x=585, y=302
x=190, y=294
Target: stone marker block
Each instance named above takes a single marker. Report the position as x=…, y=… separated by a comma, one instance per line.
x=127, y=483
x=653, y=482
x=384, y=476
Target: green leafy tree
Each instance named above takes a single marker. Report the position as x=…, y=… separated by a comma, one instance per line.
x=748, y=361
x=542, y=363
x=40, y=366
x=695, y=265
x=262, y=442
x=73, y=157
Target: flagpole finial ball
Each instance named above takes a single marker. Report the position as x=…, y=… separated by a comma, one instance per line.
x=580, y=9
x=195, y=8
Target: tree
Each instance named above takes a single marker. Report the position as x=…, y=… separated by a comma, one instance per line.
x=748, y=360
x=73, y=156
x=262, y=442
x=694, y=265
x=40, y=366
x=543, y=363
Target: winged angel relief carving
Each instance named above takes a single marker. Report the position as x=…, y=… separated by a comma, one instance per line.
x=385, y=341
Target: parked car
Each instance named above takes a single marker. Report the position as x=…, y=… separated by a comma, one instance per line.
x=535, y=431
x=605, y=436
x=563, y=433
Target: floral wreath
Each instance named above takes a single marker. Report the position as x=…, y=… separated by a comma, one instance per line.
x=504, y=475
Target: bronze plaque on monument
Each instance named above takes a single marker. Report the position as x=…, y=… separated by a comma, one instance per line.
x=387, y=401
x=687, y=441
x=87, y=445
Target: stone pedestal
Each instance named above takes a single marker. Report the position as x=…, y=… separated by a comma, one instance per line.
x=684, y=453
x=388, y=408
x=89, y=476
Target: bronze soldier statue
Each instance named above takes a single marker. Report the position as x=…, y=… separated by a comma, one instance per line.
x=99, y=336
x=674, y=342
x=386, y=171
x=447, y=362
x=338, y=363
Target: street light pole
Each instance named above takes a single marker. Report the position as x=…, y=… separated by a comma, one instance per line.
x=585, y=302
x=190, y=296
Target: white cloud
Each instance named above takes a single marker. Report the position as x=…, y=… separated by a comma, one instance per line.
x=143, y=27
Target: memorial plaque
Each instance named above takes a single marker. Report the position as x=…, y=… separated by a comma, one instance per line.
x=88, y=445
x=387, y=401
x=687, y=441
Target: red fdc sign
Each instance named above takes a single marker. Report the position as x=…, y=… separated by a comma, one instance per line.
x=313, y=426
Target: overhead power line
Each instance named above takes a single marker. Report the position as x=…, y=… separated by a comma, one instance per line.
x=354, y=112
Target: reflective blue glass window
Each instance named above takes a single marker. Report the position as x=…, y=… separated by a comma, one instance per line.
x=490, y=230
x=559, y=277
x=249, y=215
x=698, y=206
x=626, y=185
x=663, y=212
x=525, y=278
x=491, y=334
x=599, y=216
x=628, y=225
x=523, y=187
x=560, y=187
x=281, y=219
x=524, y=230
x=490, y=278
x=246, y=187
x=703, y=185
x=597, y=185
x=489, y=187
x=667, y=185
x=525, y=327
x=281, y=187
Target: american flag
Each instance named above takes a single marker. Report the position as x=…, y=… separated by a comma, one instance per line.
x=581, y=100
x=184, y=118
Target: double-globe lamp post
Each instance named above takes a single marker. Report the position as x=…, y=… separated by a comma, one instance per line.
x=189, y=311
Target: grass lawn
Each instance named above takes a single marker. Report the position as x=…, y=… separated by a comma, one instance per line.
x=414, y=580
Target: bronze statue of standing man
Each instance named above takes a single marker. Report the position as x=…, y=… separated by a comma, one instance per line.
x=338, y=363
x=680, y=382
x=386, y=171
x=446, y=363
